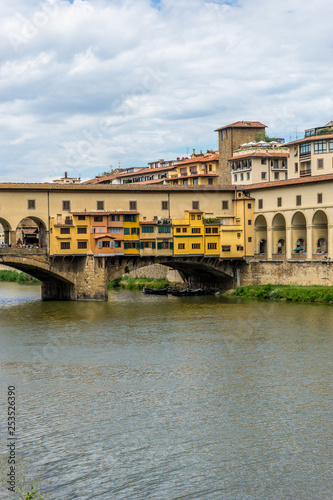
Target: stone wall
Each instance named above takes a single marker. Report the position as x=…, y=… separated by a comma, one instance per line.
x=157, y=271
x=301, y=273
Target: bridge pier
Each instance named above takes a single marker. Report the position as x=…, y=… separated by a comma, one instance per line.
x=91, y=279
x=57, y=290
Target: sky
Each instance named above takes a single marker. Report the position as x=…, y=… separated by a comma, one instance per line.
x=90, y=85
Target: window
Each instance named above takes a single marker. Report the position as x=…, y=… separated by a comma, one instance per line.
x=210, y=182
x=225, y=248
x=276, y=176
x=225, y=205
x=81, y=217
x=215, y=230
x=147, y=229
x=320, y=163
x=235, y=177
x=66, y=205
x=211, y=246
x=65, y=230
x=198, y=217
x=192, y=217
x=65, y=245
x=279, y=202
x=320, y=147
x=100, y=205
x=330, y=145
x=196, y=230
x=306, y=148
x=133, y=230
x=241, y=177
x=126, y=230
x=31, y=204
x=195, y=246
x=249, y=222
x=117, y=244
x=105, y=244
x=195, y=181
x=147, y=244
x=210, y=168
x=296, y=168
x=260, y=203
x=298, y=199
x=238, y=235
x=240, y=248
x=164, y=229
x=81, y=245
x=98, y=218
x=249, y=205
x=319, y=197
x=100, y=229
x=165, y=205
x=184, y=229
x=249, y=239
x=208, y=230
x=115, y=230
x=178, y=230
x=181, y=246
x=248, y=176
x=81, y=230
x=133, y=205
x=263, y=161
x=195, y=205
x=263, y=176
x=114, y=218
x=129, y=218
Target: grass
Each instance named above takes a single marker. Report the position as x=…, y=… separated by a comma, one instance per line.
x=320, y=294
x=128, y=283
x=18, y=277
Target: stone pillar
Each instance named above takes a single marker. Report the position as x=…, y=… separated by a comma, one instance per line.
x=270, y=234
x=12, y=238
x=309, y=242
x=91, y=279
x=330, y=241
x=288, y=243
x=57, y=290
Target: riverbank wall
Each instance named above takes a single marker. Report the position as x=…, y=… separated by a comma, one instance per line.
x=302, y=273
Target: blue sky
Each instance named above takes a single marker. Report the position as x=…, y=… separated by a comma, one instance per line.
x=86, y=85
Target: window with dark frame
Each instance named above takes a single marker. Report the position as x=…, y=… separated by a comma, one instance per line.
x=298, y=200
x=260, y=203
x=81, y=217
x=81, y=230
x=65, y=230
x=31, y=204
x=225, y=204
x=65, y=245
x=81, y=245
x=212, y=246
x=133, y=205
x=100, y=205
x=66, y=205
x=165, y=205
x=319, y=197
x=195, y=205
x=196, y=246
x=279, y=202
x=320, y=163
x=181, y=246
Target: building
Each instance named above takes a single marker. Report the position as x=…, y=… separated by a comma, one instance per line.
x=230, y=138
x=68, y=180
x=259, y=162
x=200, y=169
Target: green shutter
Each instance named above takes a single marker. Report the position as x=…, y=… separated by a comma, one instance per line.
x=138, y=245
x=159, y=245
x=171, y=245
x=126, y=230
x=138, y=231
x=142, y=245
x=126, y=246
x=153, y=245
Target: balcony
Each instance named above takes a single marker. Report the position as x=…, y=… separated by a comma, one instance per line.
x=305, y=172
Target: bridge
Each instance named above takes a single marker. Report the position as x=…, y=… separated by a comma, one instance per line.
x=86, y=277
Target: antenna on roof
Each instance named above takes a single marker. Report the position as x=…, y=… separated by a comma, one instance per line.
x=296, y=132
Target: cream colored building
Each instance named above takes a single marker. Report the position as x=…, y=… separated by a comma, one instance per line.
x=311, y=156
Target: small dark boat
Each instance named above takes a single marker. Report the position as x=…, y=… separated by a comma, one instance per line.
x=155, y=291
x=188, y=292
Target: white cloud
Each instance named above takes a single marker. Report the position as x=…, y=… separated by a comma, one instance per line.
x=87, y=84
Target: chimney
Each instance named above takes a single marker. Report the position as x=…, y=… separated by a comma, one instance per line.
x=65, y=175
x=193, y=153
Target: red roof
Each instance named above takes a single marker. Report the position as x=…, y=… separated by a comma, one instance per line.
x=191, y=176
x=152, y=181
x=312, y=138
x=198, y=159
x=146, y=171
x=243, y=124
x=107, y=212
x=288, y=182
x=257, y=154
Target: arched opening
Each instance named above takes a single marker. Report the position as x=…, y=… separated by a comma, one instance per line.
x=320, y=232
x=31, y=233
x=260, y=228
x=5, y=233
x=298, y=227
x=279, y=235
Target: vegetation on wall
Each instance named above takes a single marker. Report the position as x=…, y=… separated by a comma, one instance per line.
x=263, y=137
x=127, y=283
x=18, y=277
x=320, y=294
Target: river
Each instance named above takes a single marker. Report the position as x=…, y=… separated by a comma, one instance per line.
x=147, y=397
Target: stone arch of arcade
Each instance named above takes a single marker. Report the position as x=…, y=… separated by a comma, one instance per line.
x=7, y=229
x=31, y=229
x=306, y=234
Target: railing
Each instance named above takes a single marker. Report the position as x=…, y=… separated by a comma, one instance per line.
x=305, y=173
x=279, y=167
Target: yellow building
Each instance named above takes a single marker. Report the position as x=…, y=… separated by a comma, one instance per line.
x=70, y=234
x=201, y=170
x=131, y=233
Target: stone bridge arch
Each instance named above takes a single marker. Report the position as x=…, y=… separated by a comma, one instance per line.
x=42, y=230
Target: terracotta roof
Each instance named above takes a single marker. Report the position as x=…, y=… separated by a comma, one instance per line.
x=106, y=212
x=103, y=178
x=198, y=159
x=194, y=211
x=48, y=187
x=145, y=170
x=149, y=222
x=152, y=181
x=242, y=124
x=311, y=138
x=103, y=235
x=191, y=176
x=287, y=182
x=30, y=230
x=257, y=154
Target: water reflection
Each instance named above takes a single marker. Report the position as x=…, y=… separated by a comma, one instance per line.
x=163, y=397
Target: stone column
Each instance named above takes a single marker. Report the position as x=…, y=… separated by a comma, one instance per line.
x=330, y=241
x=309, y=242
x=288, y=242
x=12, y=238
x=270, y=233
x=91, y=279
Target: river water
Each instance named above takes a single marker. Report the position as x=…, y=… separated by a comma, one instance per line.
x=170, y=398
